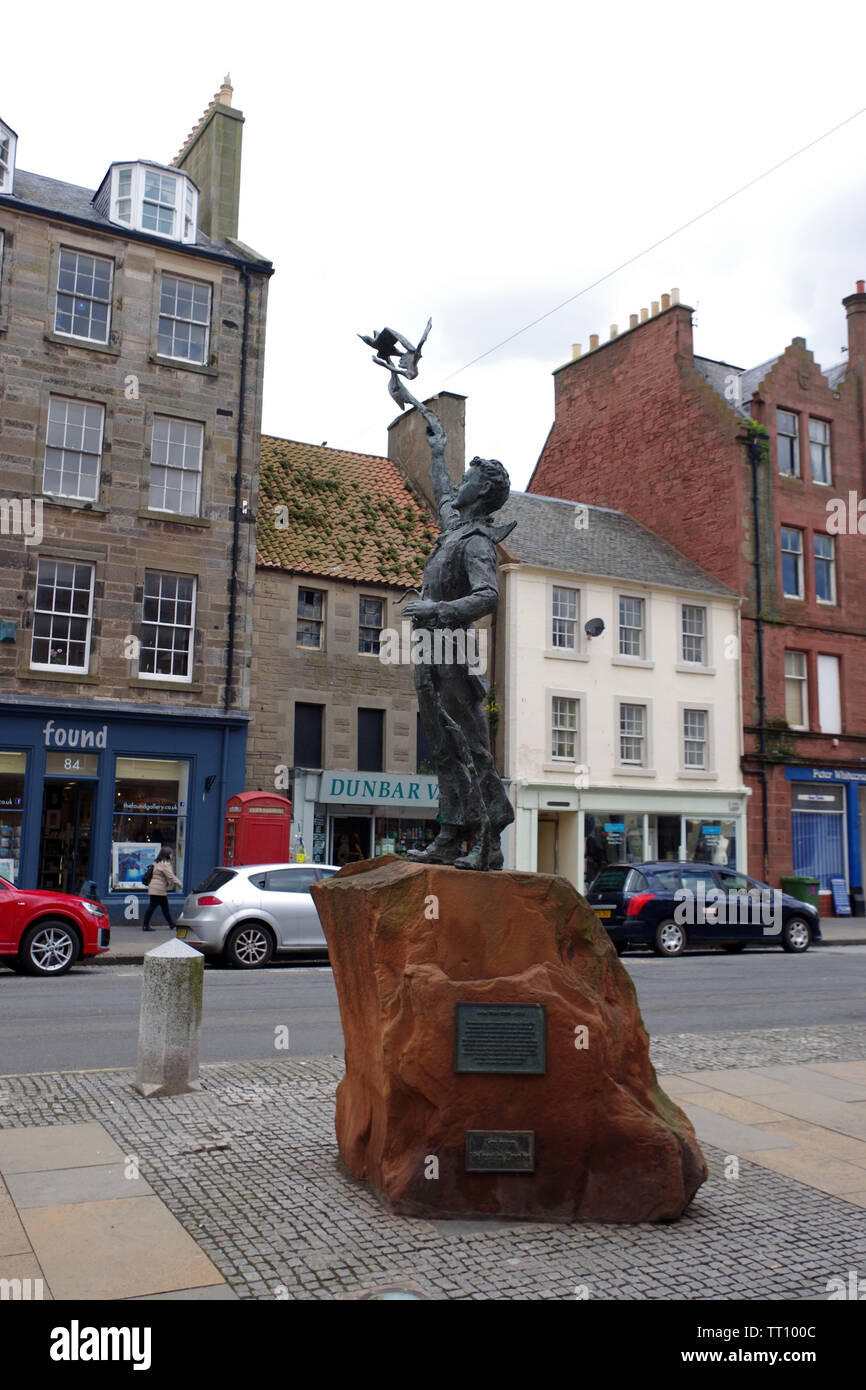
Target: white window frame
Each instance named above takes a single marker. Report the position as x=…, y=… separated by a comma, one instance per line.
x=55, y=613
x=708, y=772
x=167, y=467
x=825, y=560
x=185, y=206
x=705, y=667
x=7, y=169
x=190, y=628
x=797, y=531
x=780, y=434
x=552, y=763
x=76, y=295
x=55, y=405
x=177, y=318
x=630, y=769
x=564, y=708
x=803, y=684
x=645, y=659
x=824, y=452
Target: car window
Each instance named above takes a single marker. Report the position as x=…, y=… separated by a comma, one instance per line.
x=667, y=879
x=697, y=879
x=635, y=882
x=612, y=877
x=217, y=878
x=327, y=873
x=734, y=883
x=258, y=880
x=290, y=880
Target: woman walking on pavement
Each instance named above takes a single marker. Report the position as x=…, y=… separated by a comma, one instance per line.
x=162, y=878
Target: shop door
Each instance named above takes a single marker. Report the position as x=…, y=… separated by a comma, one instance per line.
x=350, y=839
x=64, y=847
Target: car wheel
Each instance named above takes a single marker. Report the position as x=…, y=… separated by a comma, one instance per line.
x=670, y=939
x=249, y=947
x=733, y=948
x=796, y=935
x=49, y=948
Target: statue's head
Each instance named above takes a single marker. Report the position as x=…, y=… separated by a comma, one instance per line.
x=484, y=489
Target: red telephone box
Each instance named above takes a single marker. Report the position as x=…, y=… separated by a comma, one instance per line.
x=258, y=829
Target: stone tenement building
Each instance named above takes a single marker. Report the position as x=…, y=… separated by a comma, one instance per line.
x=132, y=327
x=756, y=475
x=341, y=538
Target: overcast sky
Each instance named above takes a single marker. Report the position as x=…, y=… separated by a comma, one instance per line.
x=481, y=162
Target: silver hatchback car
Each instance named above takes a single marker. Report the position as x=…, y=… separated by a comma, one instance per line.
x=248, y=914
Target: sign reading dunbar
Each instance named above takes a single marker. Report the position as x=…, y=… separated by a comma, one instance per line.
x=377, y=789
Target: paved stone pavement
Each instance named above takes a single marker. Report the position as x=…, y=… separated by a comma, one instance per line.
x=248, y=1168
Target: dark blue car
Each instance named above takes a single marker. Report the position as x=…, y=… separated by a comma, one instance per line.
x=669, y=906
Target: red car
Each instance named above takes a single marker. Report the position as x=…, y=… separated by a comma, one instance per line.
x=44, y=933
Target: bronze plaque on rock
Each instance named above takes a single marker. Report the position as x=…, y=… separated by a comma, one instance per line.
x=500, y=1038
x=500, y=1151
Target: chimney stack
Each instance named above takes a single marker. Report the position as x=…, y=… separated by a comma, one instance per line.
x=855, y=308
x=211, y=155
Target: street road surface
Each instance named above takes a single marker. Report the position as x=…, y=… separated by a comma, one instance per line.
x=89, y=1018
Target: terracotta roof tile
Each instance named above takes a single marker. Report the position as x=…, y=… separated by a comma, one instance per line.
x=332, y=513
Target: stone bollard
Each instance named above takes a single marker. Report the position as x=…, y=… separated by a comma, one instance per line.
x=170, y=1022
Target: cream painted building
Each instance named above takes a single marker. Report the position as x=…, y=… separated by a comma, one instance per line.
x=618, y=676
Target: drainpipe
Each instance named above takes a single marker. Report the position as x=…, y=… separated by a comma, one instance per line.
x=236, y=531
x=755, y=448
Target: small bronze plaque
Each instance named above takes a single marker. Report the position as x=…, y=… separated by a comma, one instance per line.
x=500, y=1151
x=500, y=1038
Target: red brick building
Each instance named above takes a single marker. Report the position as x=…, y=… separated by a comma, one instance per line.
x=757, y=475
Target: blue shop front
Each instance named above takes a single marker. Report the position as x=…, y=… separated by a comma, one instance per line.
x=828, y=823
x=91, y=793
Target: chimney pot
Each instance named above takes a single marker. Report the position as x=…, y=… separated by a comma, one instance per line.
x=666, y=301
x=655, y=307
x=675, y=296
x=861, y=286
x=644, y=315
x=613, y=330
x=593, y=341
x=632, y=320
x=576, y=350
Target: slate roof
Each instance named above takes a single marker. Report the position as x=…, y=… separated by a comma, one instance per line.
x=71, y=200
x=348, y=516
x=612, y=545
x=717, y=374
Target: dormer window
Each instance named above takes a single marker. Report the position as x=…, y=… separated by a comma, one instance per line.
x=8, y=141
x=152, y=199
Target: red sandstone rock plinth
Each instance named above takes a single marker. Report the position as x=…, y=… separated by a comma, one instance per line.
x=410, y=941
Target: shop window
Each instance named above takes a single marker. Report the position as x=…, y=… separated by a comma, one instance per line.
x=395, y=836
x=13, y=767
x=61, y=617
x=817, y=832
x=150, y=810
x=611, y=837
x=371, y=725
x=311, y=603
x=796, y=690
x=369, y=625
x=712, y=842
x=787, y=444
x=308, y=735
x=167, y=623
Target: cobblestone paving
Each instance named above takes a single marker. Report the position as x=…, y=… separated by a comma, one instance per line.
x=249, y=1166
